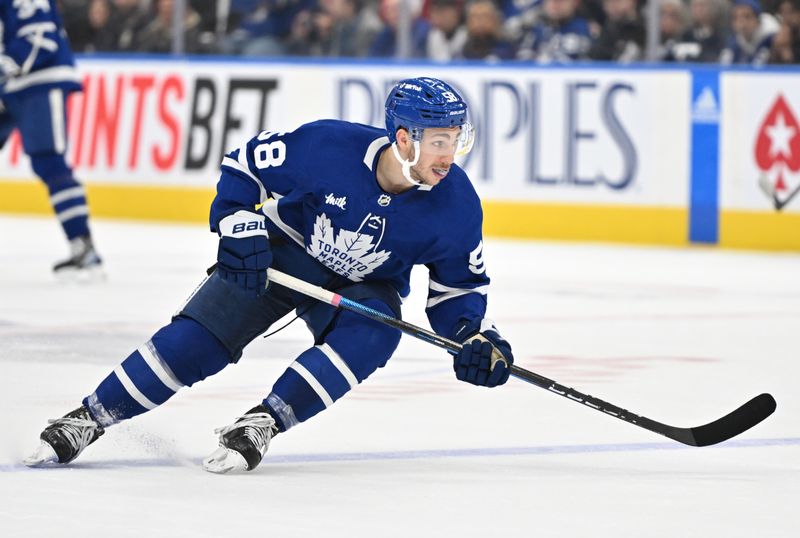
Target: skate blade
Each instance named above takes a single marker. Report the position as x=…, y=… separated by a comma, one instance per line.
x=86, y=275
x=41, y=456
x=224, y=460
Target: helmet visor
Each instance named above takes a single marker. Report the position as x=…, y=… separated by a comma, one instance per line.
x=445, y=140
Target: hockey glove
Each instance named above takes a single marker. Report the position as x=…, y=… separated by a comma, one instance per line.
x=244, y=253
x=485, y=357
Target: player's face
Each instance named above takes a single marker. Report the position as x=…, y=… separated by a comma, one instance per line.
x=437, y=152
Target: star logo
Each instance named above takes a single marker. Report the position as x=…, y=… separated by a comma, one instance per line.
x=777, y=153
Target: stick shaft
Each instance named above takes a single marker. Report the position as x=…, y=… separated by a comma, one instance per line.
x=740, y=420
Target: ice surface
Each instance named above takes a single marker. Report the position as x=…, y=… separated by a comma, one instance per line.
x=679, y=335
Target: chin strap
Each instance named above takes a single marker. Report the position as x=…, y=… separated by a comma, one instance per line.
x=406, y=165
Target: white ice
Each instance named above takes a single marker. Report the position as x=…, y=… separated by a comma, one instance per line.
x=678, y=335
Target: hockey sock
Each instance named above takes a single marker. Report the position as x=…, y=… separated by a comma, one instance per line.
x=178, y=355
x=354, y=349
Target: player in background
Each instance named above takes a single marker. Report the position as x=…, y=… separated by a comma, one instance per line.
x=37, y=73
x=343, y=205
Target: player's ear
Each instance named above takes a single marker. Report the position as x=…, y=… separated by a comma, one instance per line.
x=403, y=138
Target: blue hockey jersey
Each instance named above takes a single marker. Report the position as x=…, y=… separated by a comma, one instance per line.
x=34, y=51
x=319, y=189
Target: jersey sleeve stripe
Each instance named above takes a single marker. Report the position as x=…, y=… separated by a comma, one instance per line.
x=234, y=164
x=435, y=286
x=433, y=301
x=62, y=73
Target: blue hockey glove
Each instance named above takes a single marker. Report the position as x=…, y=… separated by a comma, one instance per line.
x=244, y=253
x=485, y=357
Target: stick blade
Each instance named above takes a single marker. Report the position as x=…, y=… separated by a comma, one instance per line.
x=734, y=423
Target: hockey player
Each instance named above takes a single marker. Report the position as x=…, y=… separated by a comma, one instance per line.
x=343, y=205
x=37, y=73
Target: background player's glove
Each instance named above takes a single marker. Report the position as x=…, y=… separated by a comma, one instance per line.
x=244, y=253
x=485, y=357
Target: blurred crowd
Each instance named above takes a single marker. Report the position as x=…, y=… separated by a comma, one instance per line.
x=752, y=32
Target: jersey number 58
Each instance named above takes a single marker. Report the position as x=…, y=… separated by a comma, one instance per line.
x=269, y=154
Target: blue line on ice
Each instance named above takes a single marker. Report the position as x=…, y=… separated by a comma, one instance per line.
x=421, y=454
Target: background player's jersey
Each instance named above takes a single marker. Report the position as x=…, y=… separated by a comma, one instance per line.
x=34, y=51
x=318, y=188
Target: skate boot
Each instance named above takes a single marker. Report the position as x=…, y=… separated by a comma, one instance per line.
x=243, y=443
x=83, y=259
x=65, y=438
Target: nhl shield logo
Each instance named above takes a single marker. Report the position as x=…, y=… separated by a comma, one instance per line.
x=777, y=153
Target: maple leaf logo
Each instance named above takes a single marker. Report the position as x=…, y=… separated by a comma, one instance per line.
x=777, y=153
x=352, y=254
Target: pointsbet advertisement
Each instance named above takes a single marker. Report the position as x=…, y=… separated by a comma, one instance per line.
x=562, y=153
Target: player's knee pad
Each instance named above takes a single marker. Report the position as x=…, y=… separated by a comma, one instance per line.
x=53, y=169
x=178, y=355
x=364, y=344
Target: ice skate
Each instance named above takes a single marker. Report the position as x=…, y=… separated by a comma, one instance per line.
x=65, y=438
x=83, y=264
x=243, y=443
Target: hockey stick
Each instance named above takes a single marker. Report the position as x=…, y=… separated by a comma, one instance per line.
x=722, y=429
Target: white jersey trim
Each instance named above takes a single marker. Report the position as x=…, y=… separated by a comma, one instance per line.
x=373, y=148
x=50, y=75
x=451, y=293
x=270, y=210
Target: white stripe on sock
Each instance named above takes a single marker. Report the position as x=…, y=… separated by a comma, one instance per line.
x=67, y=194
x=135, y=393
x=157, y=365
x=72, y=212
x=339, y=363
x=312, y=381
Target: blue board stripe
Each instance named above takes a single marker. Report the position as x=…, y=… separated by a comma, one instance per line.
x=704, y=151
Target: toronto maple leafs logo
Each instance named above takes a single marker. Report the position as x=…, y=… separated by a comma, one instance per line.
x=352, y=254
x=777, y=153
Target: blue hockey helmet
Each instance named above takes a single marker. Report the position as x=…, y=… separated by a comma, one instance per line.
x=419, y=103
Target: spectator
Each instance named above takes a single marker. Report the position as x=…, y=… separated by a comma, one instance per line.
x=74, y=14
x=385, y=43
x=786, y=45
x=622, y=37
x=120, y=33
x=673, y=22
x=157, y=36
x=354, y=27
x=519, y=17
x=262, y=26
x=311, y=34
x=560, y=36
x=704, y=41
x=485, y=33
x=448, y=34
x=753, y=32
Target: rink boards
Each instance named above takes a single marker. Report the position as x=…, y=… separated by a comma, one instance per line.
x=641, y=155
